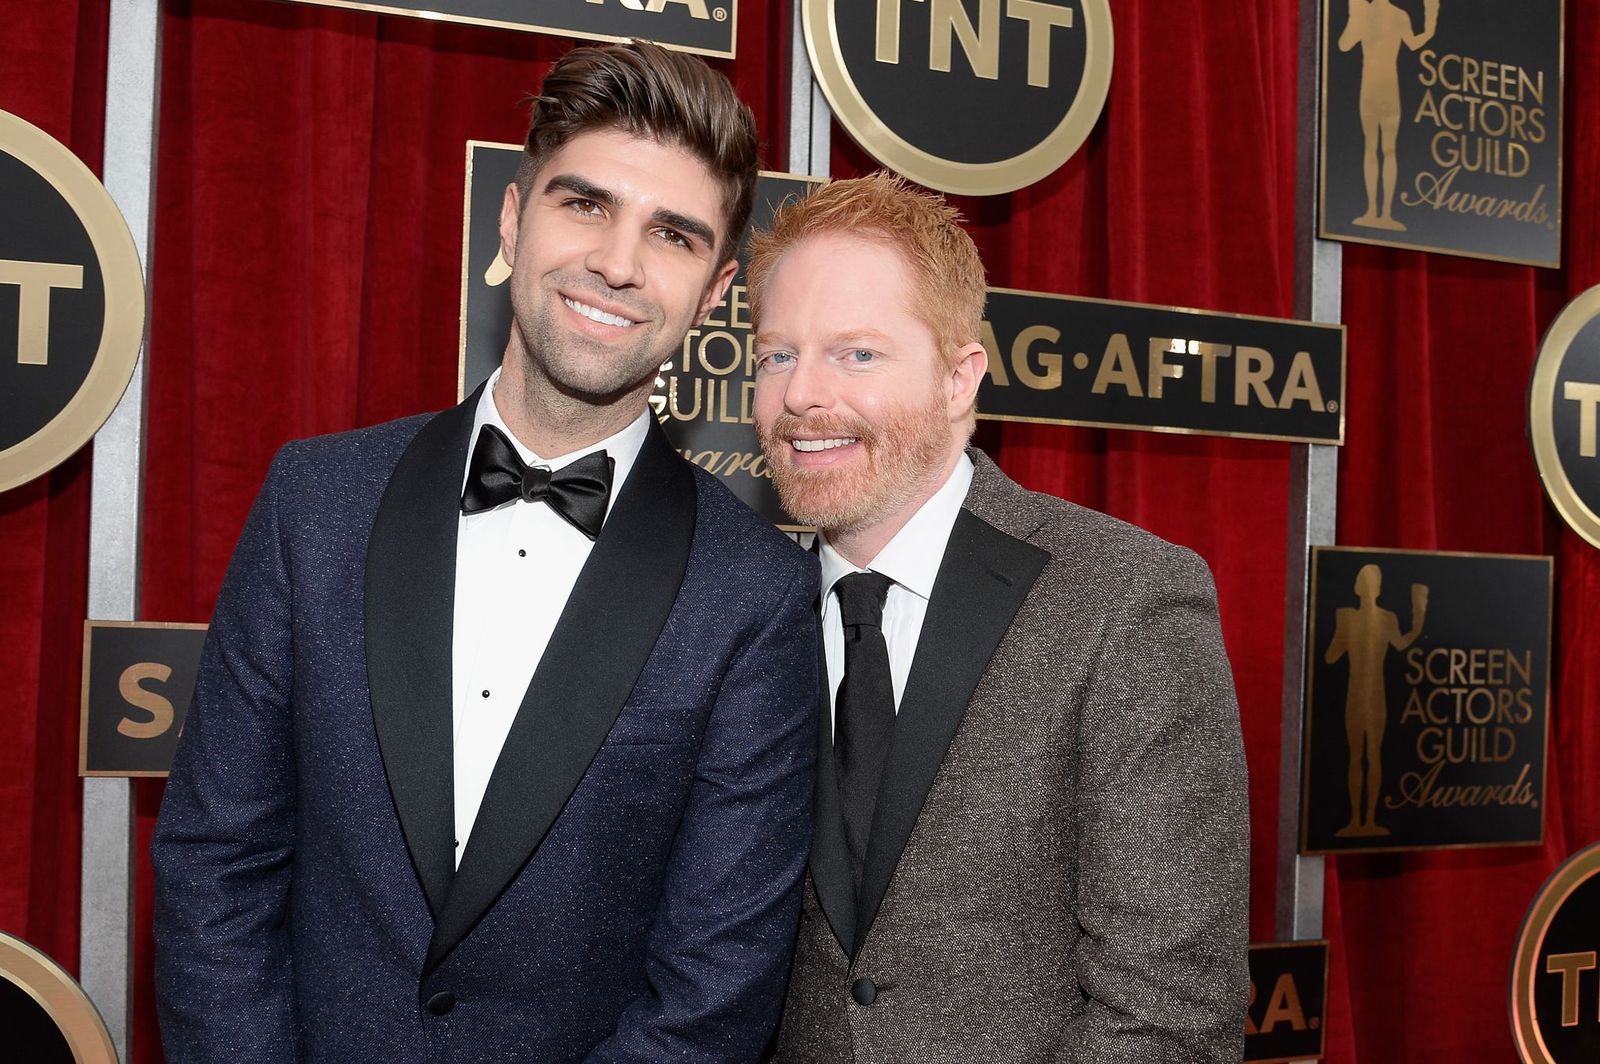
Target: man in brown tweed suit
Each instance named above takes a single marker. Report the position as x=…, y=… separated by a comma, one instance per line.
x=1031, y=834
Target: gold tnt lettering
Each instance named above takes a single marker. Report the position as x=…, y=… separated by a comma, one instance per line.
x=1587, y=396
x=948, y=22
x=36, y=279
x=1569, y=965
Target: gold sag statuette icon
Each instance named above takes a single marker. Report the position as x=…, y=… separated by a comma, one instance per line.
x=1380, y=29
x=1365, y=635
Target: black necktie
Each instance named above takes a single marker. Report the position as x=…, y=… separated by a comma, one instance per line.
x=863, y=717
x=577, y=491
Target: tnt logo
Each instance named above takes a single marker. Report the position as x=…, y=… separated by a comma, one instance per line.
x=950, y=23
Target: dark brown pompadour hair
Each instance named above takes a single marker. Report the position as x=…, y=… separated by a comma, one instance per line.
x=643, y=89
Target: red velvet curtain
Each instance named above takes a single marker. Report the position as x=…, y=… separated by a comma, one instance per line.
x=307, y=270
x=52, y=74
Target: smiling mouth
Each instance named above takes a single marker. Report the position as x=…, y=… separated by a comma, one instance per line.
x=596, y=314
x=823, y=445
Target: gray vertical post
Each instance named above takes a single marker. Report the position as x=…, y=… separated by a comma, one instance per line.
x=810, y=118
x=1313, y=500
x=133, y=64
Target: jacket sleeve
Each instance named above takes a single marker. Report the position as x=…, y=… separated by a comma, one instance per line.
x=724, y=931
x=225, y=836
x=1163, y=830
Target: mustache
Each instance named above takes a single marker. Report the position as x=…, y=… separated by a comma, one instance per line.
x=785, y=426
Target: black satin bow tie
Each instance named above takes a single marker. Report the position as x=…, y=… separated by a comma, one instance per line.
x=577, y=491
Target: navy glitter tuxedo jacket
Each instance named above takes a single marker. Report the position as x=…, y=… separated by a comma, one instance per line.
x=630, y=890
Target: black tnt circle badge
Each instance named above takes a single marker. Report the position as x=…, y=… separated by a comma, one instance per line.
x=976, y=97
x=1555, y=975
x=1563, y=412
x=71, y=303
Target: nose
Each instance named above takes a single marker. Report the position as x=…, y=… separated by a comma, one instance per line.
x=808, y=386
x=617, y=258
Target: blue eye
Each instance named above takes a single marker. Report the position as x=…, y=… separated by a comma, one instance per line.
x=775, y=358
x=862, y=355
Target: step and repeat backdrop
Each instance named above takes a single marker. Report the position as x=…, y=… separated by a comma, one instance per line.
x=1428, y=702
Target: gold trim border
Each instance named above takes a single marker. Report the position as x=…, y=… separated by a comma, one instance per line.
x=1322, y=1030
x=529, y=27
x=1553, y=350
x=1571, y=874
x=122, y=331
x=89, y=627
x=972, y=179
x=62, y=999
x=1310, y=691
x=1323, y=233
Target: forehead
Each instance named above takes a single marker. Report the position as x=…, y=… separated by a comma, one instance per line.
x=638, y=171
x=837, y=280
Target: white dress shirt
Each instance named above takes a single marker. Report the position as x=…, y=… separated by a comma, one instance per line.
x=911, y=559
x=515, y=568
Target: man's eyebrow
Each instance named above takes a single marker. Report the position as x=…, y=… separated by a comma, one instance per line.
x=688, y=226
x=579, y=187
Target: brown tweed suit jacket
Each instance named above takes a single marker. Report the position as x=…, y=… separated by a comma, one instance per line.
x=1058, y=864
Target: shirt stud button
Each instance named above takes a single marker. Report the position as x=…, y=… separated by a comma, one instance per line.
x=486, y=694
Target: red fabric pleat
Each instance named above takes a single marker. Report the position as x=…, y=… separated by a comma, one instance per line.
x=307, y=279
x=52, y=74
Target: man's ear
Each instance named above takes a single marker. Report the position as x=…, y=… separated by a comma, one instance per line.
x=966, y=375
x=510, y=219
x=716, y=289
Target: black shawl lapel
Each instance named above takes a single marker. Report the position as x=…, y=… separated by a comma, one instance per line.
x=831, y=876
x=410, y=615
x=982, y=581
x=617, y=609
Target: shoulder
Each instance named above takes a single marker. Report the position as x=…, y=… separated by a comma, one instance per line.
x=337, y=479
x=741, y=540
x=376, y=446
x=1087, y=549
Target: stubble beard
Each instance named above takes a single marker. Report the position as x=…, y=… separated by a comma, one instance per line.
x=902, y=456
x=579, y=368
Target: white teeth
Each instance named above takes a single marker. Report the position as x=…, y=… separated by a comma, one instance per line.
x=596, y=314
x=823, y=445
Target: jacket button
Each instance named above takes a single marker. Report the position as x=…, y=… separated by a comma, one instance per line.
x=441, y=1003
x=864, y=990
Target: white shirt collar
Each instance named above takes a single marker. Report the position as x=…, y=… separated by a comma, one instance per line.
x=622, y=448
x=911, y=559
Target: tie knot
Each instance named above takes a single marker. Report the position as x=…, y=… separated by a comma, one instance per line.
x=535, y=483
x=861, y=598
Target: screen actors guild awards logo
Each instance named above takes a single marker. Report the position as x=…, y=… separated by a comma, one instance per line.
x=1441, y=126
x=1365, y=635
x=1425, y=727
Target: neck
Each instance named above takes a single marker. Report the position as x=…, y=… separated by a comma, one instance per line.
x=860, y=544
x=551, y=423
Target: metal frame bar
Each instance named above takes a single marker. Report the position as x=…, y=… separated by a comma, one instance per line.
x=133, y=65
x=810, y=117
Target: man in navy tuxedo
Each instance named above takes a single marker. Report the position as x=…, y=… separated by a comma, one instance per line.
x=503, y=740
